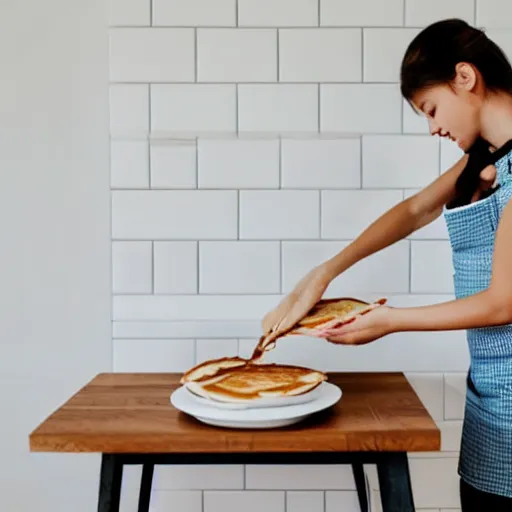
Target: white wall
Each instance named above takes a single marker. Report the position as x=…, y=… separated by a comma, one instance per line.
x=252, y=140
x=55, y=327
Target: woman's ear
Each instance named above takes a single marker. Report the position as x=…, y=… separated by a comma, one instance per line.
x=465, y=76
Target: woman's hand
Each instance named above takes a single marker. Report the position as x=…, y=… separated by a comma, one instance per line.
x=363, y=329
x=298, y=302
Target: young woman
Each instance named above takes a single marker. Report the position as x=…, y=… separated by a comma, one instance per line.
x=462, y=82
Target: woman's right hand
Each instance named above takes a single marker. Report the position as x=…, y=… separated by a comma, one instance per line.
x=294, y=306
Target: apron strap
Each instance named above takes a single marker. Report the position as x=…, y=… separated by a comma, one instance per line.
x=504, y=171
x=480, y=157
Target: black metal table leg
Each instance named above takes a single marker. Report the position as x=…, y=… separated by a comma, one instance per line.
x=111, y=476
x=145, y=487
x=395, y=483
x=359, y=478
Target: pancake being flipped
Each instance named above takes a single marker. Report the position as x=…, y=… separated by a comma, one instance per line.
x=237, y=380
x=325, y=314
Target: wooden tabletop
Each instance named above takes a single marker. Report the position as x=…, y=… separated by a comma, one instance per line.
x=131, y=413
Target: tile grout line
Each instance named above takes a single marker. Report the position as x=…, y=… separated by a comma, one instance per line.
x=238, y=215
x=270, y=189
x=444, y=396
x=319, y=10
x=281, y=270
x=258, y=239
x=280, y=185
x=362, y=57
x=361, y=163
x=320, y=214
x=224, y=295
x=278, y=33
x=252, y=27
x=410, y=266
x=259, y=82
x=237, y=111
x=318, y=108
x=197, y=165
x=197, y=267
x=152, y=267
x=402, y=114
x=149, y=141
x=195, y=56
x=150, y=13
x=111, y=266
x=280, y=166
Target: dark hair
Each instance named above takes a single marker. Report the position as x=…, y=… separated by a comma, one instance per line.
x=431, y=58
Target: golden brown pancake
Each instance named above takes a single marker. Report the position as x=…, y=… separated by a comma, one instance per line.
x=327, y=313
x=237, y=380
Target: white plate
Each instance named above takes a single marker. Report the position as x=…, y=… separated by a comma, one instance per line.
x=260, y=402
x=262, y=418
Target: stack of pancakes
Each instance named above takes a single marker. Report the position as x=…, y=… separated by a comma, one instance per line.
x=250, y=381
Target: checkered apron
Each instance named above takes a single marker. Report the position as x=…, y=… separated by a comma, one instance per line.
x=486, y=446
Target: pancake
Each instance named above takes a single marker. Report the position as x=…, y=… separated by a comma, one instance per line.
x=237, y=380
x=325, y=314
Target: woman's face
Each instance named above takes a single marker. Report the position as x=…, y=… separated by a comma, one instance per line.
x=453, y=110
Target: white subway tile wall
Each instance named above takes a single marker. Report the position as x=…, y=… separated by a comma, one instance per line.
x=299, y=477
x=278, y=13
x=361, y=108
x=251, y=140
x=277, y=108
x=238, y=163
x=150, y=55
x=175, y=267
x=320, y=55
x=236, y=55
x=304, y=501
x=366, y=13
x=383, y=50
x=419, y=13
x=173, y=165
x=189, y=108
x=132, y=267
x=336, y=163
x=193, y=13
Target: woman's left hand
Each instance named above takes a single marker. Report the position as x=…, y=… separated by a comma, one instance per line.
x=364, y=329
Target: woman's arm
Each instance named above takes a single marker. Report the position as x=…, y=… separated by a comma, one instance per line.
x=490, y=307
x=400, y=221
x=394, y=225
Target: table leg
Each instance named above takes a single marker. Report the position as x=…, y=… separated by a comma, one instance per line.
x=110, y=483
x=145, y=487
x=395, y=483
x=358, y=472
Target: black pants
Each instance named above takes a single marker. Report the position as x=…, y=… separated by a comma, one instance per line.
x=473, y=500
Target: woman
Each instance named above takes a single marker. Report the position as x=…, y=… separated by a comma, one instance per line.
x=462, y=82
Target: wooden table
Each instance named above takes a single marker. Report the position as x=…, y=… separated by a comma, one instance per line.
x=129, y=420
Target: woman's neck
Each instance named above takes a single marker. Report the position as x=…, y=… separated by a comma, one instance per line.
x=496, y=119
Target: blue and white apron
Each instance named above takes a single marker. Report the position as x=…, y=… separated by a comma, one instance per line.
x=486, y=446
